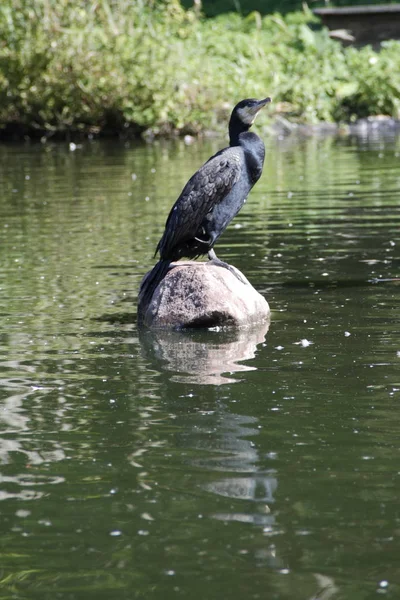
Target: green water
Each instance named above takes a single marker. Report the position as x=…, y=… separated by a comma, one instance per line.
x=206, y=465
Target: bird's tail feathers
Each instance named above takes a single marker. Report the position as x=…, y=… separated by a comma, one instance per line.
x=150, y=283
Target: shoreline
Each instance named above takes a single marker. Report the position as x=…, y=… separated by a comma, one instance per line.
x=279, y=127
x=131, y=71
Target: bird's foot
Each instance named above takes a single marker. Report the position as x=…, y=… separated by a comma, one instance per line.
x=220, y=263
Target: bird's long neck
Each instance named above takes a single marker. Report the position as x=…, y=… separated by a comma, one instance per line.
x=254, y=154
x=236, y=127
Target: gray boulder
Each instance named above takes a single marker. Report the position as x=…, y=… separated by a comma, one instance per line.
x=203, y=294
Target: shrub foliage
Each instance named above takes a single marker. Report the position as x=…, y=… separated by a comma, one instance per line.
x=98, y=65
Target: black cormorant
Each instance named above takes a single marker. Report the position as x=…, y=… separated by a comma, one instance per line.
x=211, y=197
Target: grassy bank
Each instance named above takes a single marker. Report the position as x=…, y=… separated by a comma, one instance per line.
x=111, y=66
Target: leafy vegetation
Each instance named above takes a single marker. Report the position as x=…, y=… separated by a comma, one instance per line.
x=118, y=65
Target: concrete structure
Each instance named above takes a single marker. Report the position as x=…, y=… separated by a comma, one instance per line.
x=370, y=24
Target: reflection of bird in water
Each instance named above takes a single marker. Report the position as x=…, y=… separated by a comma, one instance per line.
x=211, y=197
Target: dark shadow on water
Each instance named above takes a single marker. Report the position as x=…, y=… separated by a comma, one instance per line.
x=203, y=356
x=118, y=318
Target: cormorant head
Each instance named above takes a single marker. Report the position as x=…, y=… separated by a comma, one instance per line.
x=247, y=110
x=243, y=116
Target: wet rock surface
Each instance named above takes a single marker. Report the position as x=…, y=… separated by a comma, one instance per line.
x=202, y=294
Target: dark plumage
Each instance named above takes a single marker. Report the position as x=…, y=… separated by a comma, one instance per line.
x=211, y=197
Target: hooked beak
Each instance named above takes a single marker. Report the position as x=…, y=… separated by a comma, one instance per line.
x=254, y=110
x=248, y=113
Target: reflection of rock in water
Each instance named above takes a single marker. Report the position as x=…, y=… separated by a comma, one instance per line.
x=203, y=356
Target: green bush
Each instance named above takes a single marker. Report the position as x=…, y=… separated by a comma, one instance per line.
x=112, y=65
